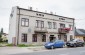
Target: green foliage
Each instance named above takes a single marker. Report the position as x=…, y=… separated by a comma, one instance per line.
x=22, y=45
x=1, y=31
x=1, y=34
x=9, y=45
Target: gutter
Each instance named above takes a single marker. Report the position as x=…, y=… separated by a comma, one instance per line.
x=18, y=26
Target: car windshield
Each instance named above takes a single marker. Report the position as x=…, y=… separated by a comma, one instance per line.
x=58, y=41
x=75, y=40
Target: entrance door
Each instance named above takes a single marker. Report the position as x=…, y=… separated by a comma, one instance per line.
x=52, y=38
x=65, y=38
x=84, y=39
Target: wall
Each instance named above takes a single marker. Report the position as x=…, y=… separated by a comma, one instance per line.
x=79, y=37
x=12, y=25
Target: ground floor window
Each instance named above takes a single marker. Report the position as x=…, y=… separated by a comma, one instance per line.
x=43, y=38
x=65, y=38
x=24, y=37
x=71, y=37
x=59, y=37
x=34, y=38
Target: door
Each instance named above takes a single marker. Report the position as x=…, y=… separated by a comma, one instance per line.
x=52, y=38
x=84, y=39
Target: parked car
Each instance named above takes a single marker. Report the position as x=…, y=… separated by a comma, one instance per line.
x=54, y=44
x=75, y=43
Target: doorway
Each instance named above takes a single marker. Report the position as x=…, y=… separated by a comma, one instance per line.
x=52, y=38
x=84, y=39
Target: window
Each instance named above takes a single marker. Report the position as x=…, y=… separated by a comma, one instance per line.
x=65, y=38
x=24, y=22
x=42, y=24
x=71, y=37
x=39, y=23
x=71, y=27
x=62, y=25
x=34, y=38
x=61, y=18
x=24, y=37
x=54, y=25
x=59, y=37
x=49, y=25
x=39, y=14
x=43, y=38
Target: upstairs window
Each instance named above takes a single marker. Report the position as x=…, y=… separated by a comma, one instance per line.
x=71, y=27
x=24, y=22
x=49, y=25
x=42, y=24
x=62, y=25
x=54, y=25
x=39, y=24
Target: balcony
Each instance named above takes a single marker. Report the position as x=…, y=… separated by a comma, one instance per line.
x=40, y=30
x=63, y=30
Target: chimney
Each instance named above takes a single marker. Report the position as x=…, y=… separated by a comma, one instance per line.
x=45, y=11
x=30, y=8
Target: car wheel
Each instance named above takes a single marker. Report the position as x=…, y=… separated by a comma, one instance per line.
x=52, y=47
x=82, y=45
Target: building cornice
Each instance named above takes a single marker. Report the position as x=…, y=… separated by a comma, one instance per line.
x=45, y=13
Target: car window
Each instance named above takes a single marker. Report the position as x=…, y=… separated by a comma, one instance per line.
x=78, y=40
x=58, y=41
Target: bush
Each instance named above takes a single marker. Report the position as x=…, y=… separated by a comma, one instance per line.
x=22, y=45
x=9, y=45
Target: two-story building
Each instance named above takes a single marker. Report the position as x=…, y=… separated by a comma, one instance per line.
x=34, y=27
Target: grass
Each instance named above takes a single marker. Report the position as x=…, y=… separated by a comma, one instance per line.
x=9, y=45
x=31, y=45
x=2, y=44
x=22, y=45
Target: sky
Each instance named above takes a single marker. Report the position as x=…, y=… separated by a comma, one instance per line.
x=68, y=8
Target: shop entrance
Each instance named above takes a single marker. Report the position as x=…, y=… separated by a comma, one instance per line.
x=52, y=38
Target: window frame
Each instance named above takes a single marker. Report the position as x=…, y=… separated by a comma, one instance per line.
x=24, y=38
x=63, y=25
x=42, y=24
x=43, y=38
x=34, y=38
x=54, y=25
x=49, y=25
x=71, y=27
x=24, y=20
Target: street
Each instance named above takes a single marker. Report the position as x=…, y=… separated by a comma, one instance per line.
x=59, y=51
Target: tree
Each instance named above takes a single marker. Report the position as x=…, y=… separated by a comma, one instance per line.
x=1, y=34
x=1, y=31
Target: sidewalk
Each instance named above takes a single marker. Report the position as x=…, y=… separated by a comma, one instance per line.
x=16, y=50
x=13, y=50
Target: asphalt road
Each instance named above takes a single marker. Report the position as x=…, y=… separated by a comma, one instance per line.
x=61, y=51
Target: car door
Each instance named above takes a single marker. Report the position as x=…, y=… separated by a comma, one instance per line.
x=79, y=42
x=58, y=43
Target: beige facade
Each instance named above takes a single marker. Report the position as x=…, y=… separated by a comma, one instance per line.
x=43, y=26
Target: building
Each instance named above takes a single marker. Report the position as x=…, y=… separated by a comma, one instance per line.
x=5, y=37
x=34, y=27
x=80, y=33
